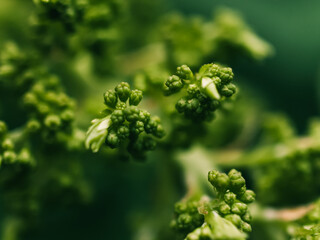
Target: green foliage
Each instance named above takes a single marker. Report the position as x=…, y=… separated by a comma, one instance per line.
x=230, y=33
x=287, y=176
x=56, y=55
x=193, y=41
x=308, y=226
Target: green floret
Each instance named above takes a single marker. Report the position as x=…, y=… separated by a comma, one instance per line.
x=154, y=127
x=51, y=111
x=117, y=117
x=184, y=72
x=187, y=217
x=224, y=217
x=205, y=91
x=123, y=132
x=125, y=124
x=112, y=139
x=110, y=98
x=123, y=91
x=135, y=97
x=173, y=84
x=132, y=113
x=233, y=197
x=137, y=127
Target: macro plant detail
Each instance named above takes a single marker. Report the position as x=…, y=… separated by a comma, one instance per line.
x=224, y=217
x=156, y=120
x=124, y=123
x=204, y=92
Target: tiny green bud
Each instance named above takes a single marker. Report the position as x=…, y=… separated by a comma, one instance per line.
x=123, y=132
x=159, y=132
x=212, y=175
x=218, y=180
x=137, y=127
x=52, y=122
x=222, y=181
x=225, y=91
x=135, y=97
x=247, y=217
x=30, y=99
x=248, y=196
x=226, y=75
x=181, y=105
x=33, y=125
x=234, y=218
x=121, y=106
x=173, y=84
x=110, y=98
x=192, y=90
x=184, y=219
x=239, y=208
x=24, y=156
x=9, y=156
x=184, y=72
x=236, y=180
x=112, y=140
x=132, y=113
x=123, y=91
x=117, y=117
x=230, y=197
x=144, y=116
x=67, y=115
x=43, y=108
x=193, y=104
x=224, y=208
x=180, y=207
x=6, y=70
x=245, y=227
x=7, y=144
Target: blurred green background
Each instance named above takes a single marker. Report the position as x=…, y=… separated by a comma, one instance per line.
x=289, y=81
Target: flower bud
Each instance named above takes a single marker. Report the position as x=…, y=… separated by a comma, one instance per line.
x=135, y=97
x=110, y=98
x=123, y=91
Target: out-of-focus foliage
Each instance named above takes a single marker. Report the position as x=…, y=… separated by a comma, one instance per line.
x=192, y=41
x=308, y=226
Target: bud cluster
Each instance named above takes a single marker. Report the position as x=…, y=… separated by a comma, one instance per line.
x=187, y=217
x=8, y=154
x=125, y=123
x=223, y=217
x=233, y=197
x=205, y=91
x=50, y=110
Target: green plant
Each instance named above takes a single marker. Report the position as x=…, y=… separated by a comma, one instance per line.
x=160, y=90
